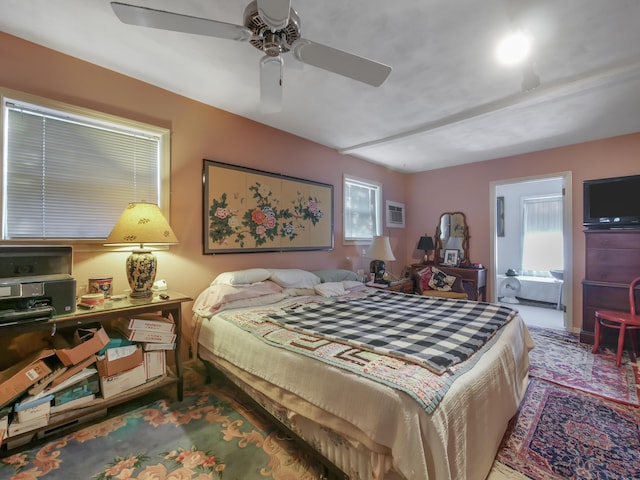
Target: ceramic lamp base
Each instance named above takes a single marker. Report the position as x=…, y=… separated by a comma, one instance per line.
x=141, y=273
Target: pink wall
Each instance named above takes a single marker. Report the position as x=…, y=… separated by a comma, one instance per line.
x=198, y=131
x=467, y=189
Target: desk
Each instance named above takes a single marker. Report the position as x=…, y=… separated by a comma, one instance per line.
x=127, y=307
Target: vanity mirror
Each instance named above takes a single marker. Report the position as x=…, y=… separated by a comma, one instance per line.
x=452, y=233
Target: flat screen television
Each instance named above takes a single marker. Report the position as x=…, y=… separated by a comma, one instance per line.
x=612, y=202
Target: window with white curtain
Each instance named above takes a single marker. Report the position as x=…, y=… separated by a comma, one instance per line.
x=542, y=248
x=362, y=209
x=68, y=173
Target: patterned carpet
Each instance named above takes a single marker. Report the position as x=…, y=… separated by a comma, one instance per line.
x=209, y=435
x=560, y=358
x=558, y=433
x=563, y=432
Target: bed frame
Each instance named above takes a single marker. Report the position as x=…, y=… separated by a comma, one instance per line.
x=329, y=470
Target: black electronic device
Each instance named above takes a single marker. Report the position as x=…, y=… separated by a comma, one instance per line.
x=378, y=269
x=37, y=274
x=612, y=202
x=24, y=310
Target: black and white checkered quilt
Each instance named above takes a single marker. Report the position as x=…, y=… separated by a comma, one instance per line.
x=434, y=332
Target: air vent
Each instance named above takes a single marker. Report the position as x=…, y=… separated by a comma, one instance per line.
x=395, y=215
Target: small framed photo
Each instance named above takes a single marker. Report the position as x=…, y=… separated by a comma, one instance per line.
x=451, y=257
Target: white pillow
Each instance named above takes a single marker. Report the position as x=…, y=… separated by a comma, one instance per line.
x=255, y=301
x=299, y=292
x=294, y=277
x=242, y=277
x=353, y=285
x=330, y=289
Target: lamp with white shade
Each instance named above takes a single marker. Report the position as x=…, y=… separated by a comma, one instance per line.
x=142, y=224
x=380, y=251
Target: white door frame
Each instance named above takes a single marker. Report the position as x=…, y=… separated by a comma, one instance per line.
x=567, y=232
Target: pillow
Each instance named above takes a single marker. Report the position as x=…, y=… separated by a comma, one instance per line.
x=330, y=289
x=353, y=285
x=298, y=292
x=441, y=281
x=335, y=275
x=215, y=296
x=293, y=277
x=242, y=277
x=255, y=301
x=425, y=277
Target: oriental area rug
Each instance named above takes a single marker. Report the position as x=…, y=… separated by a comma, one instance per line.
x=560, y=433
x=579, y=418
x=209, y=435
x=560, y=358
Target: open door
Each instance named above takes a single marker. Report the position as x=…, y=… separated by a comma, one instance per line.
x=538, y=252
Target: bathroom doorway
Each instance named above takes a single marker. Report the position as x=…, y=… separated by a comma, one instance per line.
x=531, y=248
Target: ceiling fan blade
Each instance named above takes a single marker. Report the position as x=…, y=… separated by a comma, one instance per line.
x=342, y=63
x=271, y=84
x=148, y=17
x=275, y=13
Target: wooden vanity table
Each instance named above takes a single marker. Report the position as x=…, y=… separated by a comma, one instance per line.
x=452, y=233
x=474, y=280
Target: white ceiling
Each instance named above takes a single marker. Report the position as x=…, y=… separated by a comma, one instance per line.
x=446, y=102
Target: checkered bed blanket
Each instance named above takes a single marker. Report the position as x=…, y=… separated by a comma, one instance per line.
x=433, y=332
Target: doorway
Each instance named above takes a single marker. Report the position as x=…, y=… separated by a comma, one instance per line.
x=531, y=248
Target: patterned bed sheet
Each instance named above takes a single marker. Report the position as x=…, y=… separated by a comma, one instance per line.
x=433, y=321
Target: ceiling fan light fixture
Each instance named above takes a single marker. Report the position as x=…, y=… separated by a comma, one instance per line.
x=514, y=48
x=271, y=84
x=271, y=26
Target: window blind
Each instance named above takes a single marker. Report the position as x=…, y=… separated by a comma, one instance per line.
x=69, y=177
x=361, y=209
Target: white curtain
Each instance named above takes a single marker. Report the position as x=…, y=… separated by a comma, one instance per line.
x=542, y=248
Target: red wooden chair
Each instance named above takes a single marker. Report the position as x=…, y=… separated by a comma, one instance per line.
x=622, y=321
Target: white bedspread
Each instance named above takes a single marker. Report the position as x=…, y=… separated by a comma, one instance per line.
x=458, y=441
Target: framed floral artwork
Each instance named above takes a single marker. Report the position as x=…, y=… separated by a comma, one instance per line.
x=248, y=210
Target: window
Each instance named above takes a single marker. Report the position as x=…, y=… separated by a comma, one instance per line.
x=542, y=248
x=362, y=209
x=68, y=173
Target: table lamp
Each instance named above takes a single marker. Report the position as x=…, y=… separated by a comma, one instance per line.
x=379, y=250
x=426, y=243
x=141, y=223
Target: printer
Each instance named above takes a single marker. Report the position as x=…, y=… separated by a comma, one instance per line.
x=35, y=283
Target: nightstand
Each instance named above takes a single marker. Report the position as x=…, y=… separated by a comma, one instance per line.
x=404, y=285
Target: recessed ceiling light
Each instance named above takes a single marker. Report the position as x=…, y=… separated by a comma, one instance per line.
x=514, y=48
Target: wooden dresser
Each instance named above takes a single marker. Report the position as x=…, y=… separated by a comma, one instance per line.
x=612, y=261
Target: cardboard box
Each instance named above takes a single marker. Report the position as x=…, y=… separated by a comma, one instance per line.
x=4, y=423
x=73, y=404
x=17, y=379
x=71, y=371
x=155, y=363
x=121, y=362
x=84, y=387
x=86, y=342
x=18, y=428
x=42, y=409
x=147, y=336
x=151, y=322
x=116, y=384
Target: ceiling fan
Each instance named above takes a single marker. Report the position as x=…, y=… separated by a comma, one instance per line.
x=271, y=26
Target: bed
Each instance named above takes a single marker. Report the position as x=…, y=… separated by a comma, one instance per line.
x=303, y=345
